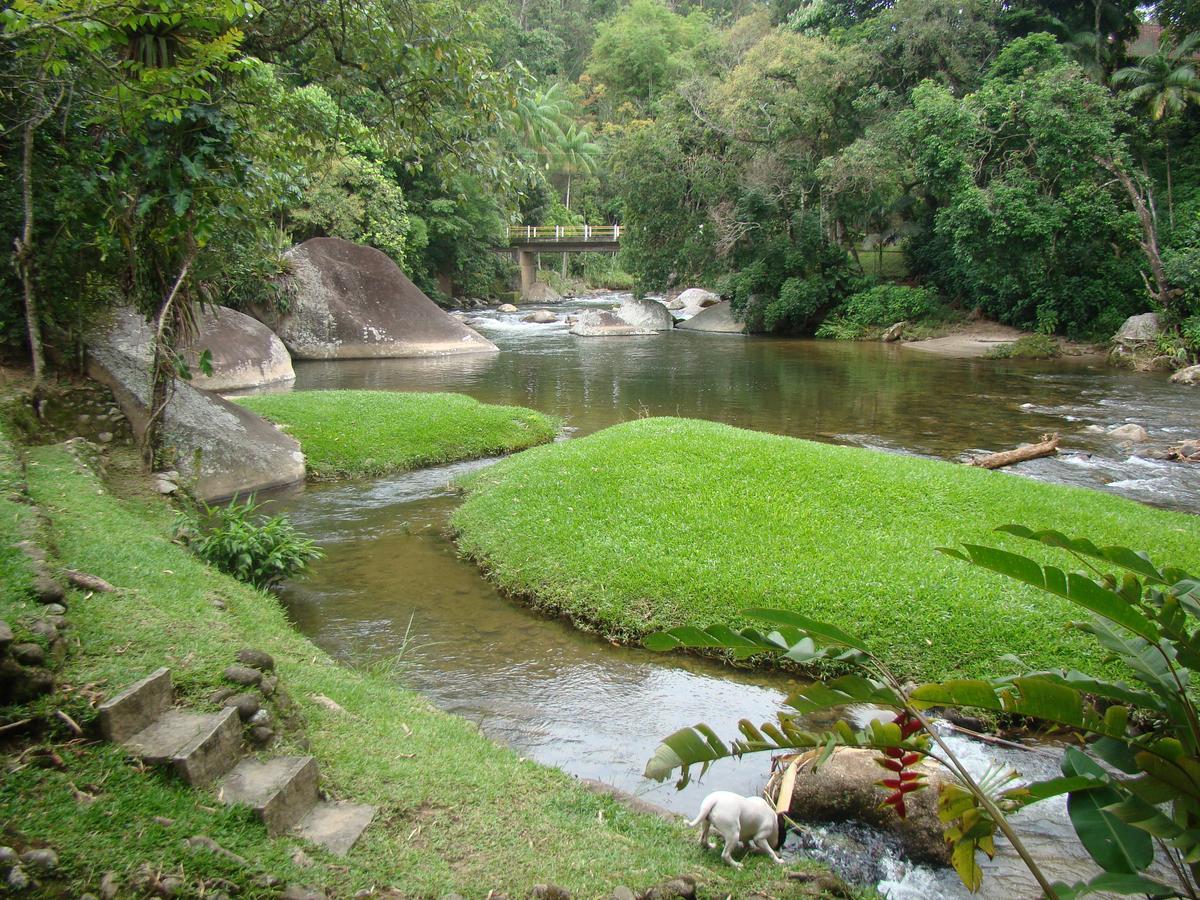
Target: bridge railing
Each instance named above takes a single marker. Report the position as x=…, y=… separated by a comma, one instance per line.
x=527, y=234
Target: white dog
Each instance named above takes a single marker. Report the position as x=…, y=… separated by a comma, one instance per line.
x=748, y=820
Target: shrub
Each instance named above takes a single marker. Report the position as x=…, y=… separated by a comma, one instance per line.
x=886, y=304
x=1030, y=346
x=257, y=549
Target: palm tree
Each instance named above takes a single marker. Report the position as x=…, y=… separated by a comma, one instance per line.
x=576, y=154
x=1165, y=82
x=539, y=118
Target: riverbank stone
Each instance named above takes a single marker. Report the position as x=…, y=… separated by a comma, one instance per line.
x=256, y=659
x=717, y=319
x=242, y=675
x=28, y=654
x=247, y=705
x=540, y=292
x=352, y=302
x=844, y=788
x=43, y=859
x=693, y=300
x=1138, y=330
x=1190, y=375
x=245, y=352
x=648, y=314
x=220, y=447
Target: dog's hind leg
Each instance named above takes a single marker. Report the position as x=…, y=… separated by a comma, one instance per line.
x=727, y=854
x=765, y=846
x=704, y=835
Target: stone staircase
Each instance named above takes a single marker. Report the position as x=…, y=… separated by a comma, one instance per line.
x=206, y=748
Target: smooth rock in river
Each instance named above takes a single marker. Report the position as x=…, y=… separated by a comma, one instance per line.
x=540, y=292
x=1190, y=375
x=648, y=314
x=245, y=352
x=540, y=317
x=601, y=323
x=844, y=789
x=693, y=300
x=506, y=308
x=1138, y=330
x=226, y=449
x=353, y=302
x=1129, y=432
x=717, y=319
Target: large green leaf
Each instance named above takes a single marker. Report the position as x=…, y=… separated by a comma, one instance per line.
x=1115, y=846
x=820, y=631
x=1074, y=587
x=1131, y=560
x=842, y=691
x=1114, y=883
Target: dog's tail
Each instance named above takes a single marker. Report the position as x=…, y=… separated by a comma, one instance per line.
x=705, y=809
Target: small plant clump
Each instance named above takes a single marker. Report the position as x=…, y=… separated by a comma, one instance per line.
x=1030, y=346
x=257, y=549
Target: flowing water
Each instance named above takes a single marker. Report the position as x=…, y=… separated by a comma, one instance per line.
x=392, y=587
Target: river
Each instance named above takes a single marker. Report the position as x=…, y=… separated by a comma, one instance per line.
x=392, y=590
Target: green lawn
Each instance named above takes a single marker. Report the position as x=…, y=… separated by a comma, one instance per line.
x=369, y=433
x=456, y=811
x=663, y=522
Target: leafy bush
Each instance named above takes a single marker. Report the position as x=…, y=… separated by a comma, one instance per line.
x=886, y=304
x=839, y=328
x=1030, y=346
x=1132, y=774
x=257, y=549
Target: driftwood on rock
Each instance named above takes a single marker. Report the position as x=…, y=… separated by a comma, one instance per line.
x=1048, y=446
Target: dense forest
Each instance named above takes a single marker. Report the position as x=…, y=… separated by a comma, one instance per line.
x=830, y=165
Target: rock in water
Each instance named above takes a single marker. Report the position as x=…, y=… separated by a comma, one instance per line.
x=540, y=292
x=506, y=308
x=540, y=317
x=1138, y=330
x=602, y=323
x=648, y=314
x=226, y=449
x=245, y=352
x=693, y=300
x=1129, y=432
x=717, y=319
x=353, y=302
x=845, y=788
x=1190, y=375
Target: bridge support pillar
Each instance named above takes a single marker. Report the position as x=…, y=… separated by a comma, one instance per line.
x=527, y=263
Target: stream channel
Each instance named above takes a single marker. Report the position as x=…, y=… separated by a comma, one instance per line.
x=392, y=588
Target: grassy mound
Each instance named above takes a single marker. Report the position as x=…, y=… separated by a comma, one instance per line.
x=456, y=811
x=369, y=433
x=664, y=522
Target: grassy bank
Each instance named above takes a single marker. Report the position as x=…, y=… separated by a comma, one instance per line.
x=456, y=812
x=663, y=522
x=347, y=434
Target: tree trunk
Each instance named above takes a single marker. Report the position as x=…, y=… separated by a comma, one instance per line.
x=1149, y=243
x=161, y=368
x=1170, y=196
x=1048, y=446
x=1097, y=4
x=24, y=248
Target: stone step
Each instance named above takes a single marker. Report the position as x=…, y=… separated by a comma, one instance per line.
x=281, y=790
x=199, y=746
x=336, y=825
x=136, y=707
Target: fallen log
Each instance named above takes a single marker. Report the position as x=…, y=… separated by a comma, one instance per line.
x=87, y=582
x=1048, y=446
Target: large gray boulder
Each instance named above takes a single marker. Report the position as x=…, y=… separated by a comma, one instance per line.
x=353, y=302
x=602, y=323
x=1138, y=331
x=648, y=314
x=717, y=319
x=224, y=448
x=540, y=292
x=693, y=300
x=245, y=352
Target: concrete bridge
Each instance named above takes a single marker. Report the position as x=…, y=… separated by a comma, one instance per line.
x=525, y=242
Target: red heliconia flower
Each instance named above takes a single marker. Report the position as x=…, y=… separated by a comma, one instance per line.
x=898, y=761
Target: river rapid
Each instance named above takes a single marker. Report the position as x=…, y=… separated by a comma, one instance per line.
x=393, y=592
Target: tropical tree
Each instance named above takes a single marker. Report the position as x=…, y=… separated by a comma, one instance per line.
x=1165, y=83
x=539, y=117
x=575, y=154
